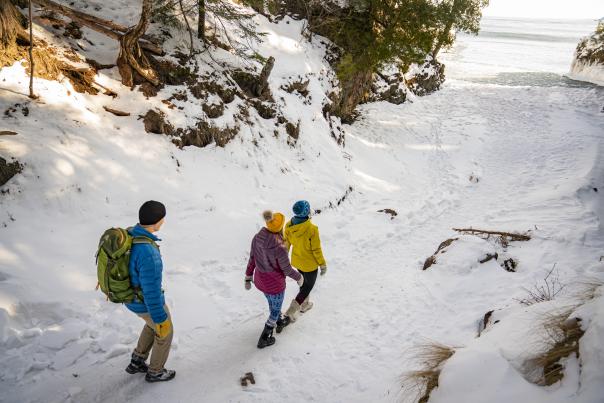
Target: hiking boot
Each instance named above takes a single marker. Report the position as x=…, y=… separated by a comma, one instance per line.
x=293, y=311
x=137, y=364
x=266, y=338
x=306, y=306
x=281, y=323
x=161, y=376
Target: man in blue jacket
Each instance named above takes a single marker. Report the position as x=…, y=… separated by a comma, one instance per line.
x=146, y=275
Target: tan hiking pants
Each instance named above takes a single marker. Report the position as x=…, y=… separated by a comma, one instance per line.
x=150, y=340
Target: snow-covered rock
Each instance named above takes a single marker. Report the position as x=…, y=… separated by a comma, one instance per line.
x=588, y=64
x=500, y=366
x=425, y=78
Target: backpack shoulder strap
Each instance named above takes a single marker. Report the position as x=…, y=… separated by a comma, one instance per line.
x=144, y=239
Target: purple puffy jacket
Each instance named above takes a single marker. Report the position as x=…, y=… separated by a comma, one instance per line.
x=269, y=263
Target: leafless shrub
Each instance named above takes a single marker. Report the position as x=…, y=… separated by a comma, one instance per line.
x=417, y=385
x=547, y=290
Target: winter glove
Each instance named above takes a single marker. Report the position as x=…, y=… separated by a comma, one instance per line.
x=163, y=329
x=301, y=281
x=248, y=282
x=323, y=269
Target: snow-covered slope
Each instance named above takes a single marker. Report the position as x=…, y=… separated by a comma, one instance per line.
x=482, y=155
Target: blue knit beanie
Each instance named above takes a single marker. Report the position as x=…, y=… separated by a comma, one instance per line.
x=301, y=209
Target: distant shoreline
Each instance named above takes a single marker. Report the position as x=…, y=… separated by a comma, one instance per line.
x=556, y=19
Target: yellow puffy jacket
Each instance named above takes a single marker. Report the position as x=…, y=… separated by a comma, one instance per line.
x=304, y=238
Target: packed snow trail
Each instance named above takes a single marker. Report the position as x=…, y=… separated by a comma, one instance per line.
x=535, y=152
x=375, y=302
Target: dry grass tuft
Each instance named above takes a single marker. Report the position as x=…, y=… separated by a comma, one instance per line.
x=562, y=335
x=430, y=357
x=587, y=289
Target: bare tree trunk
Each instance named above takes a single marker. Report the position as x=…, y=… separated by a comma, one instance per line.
x=264, y=75
x=31, y=55
x=201, y=21
x=184, y=15
x=353, y=92
x=441, y=39
x=131, y=59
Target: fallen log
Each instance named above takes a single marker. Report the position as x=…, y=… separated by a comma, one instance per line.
x=7, y=133
x=116, y=112
x=97, y=24
x=512, y=236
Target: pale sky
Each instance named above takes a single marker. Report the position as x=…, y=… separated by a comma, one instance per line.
x=546, y=8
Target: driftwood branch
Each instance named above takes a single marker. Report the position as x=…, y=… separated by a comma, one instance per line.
x=108, y=91
x=97, y=24
x=7, y=133
x=116, y=112
x=512, y=236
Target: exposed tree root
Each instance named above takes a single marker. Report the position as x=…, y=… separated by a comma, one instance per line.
x=131, y=59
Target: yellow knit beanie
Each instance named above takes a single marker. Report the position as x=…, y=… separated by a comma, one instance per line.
x=274, y=221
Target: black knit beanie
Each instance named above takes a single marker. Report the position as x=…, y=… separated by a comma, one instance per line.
x=151, y=212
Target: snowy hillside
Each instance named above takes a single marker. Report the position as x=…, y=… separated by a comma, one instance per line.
x=521, y=159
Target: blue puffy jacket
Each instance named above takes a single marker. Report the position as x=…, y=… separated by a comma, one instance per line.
x=145, y=272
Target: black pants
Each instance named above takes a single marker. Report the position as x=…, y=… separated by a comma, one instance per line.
x=309, y=282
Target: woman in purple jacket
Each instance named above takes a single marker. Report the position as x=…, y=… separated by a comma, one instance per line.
x=269, y=264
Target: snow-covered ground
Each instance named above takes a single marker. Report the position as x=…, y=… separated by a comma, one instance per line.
x=507, y=156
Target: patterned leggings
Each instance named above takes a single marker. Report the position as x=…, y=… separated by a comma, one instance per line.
x=275, y=301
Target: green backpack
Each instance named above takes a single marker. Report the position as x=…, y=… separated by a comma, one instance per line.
x=112, y=258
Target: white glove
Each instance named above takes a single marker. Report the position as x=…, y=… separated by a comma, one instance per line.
x=301, y=281
x=323, y=269
x=248, y=282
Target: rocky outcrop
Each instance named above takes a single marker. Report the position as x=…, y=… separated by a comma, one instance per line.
x=426, y=78
x=8, y=170
x=155, y=122
x=389, y=85
x=588, y=64
x=393, y=85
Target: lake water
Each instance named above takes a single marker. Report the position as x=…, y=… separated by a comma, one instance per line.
x=518, y=52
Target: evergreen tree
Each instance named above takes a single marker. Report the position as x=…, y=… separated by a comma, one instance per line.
x=371, y=33
x=457, y=16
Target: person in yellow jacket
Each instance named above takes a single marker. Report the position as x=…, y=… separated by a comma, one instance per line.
x=307, y=256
